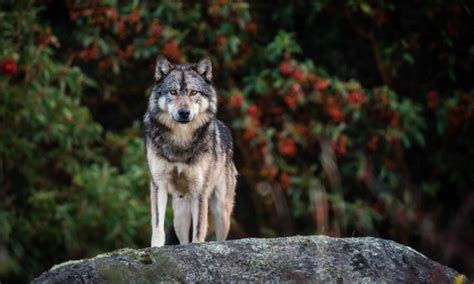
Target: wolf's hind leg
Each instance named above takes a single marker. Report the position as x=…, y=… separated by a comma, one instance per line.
x=182, y=218
x=221, y=204
x=219, y=214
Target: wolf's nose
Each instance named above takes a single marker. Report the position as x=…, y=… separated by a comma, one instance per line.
x=184, y=113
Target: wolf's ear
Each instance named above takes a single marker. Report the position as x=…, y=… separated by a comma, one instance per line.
x=163, y=67
x=204, y=68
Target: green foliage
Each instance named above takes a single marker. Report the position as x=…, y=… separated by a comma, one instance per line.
x=356, y=120
x=58, y=186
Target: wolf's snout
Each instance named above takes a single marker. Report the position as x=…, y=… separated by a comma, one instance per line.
x=184, y=113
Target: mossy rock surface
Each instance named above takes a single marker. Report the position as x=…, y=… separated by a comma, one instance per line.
x=296, y=259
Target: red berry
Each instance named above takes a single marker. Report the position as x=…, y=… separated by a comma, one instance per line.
x=249, y=134
x=253, y=111
x=321, y=84
x=287, y=147
x=335, y=114
x=221, y=40
x=299, y=75
x=286, y=69
x=285, y=180
x=133, y=17
x=356, y=98
x=171, y=50
x=236, y=100
x=8, y=66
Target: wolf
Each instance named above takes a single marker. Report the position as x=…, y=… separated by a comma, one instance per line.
x=189, y=153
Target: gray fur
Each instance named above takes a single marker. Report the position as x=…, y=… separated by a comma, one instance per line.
x=157, y=133
x=200, y=143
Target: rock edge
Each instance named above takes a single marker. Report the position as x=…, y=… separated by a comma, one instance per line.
x=296, y=259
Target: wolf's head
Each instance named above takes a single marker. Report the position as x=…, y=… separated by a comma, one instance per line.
x=183, y=93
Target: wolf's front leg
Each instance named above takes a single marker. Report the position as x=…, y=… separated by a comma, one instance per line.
x=158, y=198
x=199, y=212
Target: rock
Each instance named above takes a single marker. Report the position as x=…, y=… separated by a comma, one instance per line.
x=297, y=259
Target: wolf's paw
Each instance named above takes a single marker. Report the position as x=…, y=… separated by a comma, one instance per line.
x=157, y=241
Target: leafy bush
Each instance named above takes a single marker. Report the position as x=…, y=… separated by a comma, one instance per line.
x=58, y=183
x=356, y=120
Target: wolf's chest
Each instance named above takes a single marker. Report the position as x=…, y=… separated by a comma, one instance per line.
x=180, y=179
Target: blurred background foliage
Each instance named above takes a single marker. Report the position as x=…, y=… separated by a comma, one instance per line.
x=350, y=118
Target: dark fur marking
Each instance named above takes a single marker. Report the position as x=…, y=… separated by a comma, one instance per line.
x=157, y=214
x=154, y=186
x=182, y=84
x=180, y=181
x=200, y=209
x=226, y=142
x=214, y=141
x=226, y=137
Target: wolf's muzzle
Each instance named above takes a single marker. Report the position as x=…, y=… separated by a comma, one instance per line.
x=183, y=115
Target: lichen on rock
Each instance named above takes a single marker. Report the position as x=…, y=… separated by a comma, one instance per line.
x=296, y=259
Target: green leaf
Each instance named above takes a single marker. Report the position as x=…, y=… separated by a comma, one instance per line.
x=364, y=7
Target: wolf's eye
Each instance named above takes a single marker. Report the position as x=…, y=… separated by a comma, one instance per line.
x=193, y=93
x=173, y=92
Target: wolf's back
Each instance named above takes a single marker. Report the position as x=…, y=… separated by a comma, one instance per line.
x=225, y=137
